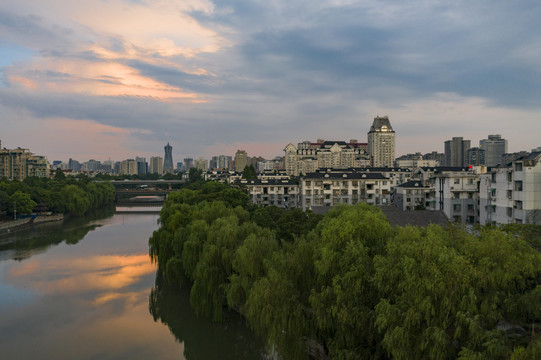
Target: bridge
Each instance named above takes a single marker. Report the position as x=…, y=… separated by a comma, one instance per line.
x=144, y=192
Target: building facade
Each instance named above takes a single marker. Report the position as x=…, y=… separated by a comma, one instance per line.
x=156, y=165
x=512, y=193
x=455, y=151
x=475, y=157
x=494, y=148
x=241, y=160
x=201, y=164
x=20, y=163
x=308, y=157
x=412, y=195
x=381, y=142
x=273, y=192
x=322, y=190
x=128, y=167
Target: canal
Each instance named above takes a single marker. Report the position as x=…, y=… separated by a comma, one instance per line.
x=86, y=289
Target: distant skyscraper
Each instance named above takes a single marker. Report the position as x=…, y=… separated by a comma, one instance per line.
x=202, y=164
x=142, y=165
x=241, y=160
x=494, y=148
x=188, y=164
x=455, y=151
x=381, y=142
x=156, y=165
x=168, y=159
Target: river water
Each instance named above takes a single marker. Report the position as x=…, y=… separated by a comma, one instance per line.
x=86, y=289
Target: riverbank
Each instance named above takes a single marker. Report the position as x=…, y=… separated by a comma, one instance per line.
x=11, y=225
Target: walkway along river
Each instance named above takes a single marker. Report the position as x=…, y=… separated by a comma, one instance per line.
x=86, y=289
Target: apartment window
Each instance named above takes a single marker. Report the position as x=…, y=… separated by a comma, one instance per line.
x=470, y=195
x=509, y=176
x=385, y=183
x=492, y=192
x=493, y=177
x=518, y=205
x=470, y=181
x=327, y=187
x=518, y=185
x=510, y=212
x=470, y=207
x=307, y=183
x=518, y=221
x=308, y=192
x=518, y=166
x=457, y=181
x=509, y=194
x=456, y=207
x=408, y=199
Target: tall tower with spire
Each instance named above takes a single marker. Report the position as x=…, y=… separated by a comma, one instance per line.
x=168, y=159
x=381, y=143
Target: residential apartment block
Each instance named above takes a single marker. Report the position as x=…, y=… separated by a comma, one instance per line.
x=512, y=193
x=412, y=195
x=307, y=157
x=21, y=163
x=456, y=193
x=269, y=192
x=320, y=190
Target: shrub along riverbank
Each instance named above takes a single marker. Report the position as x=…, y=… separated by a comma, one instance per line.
x=349, y=283
x=61, y=195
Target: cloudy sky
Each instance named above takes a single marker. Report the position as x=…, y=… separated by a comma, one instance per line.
x=121, y=78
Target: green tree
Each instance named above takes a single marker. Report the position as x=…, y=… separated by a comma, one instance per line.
x=195, y=175
x=249, y=173
x=59, y=175
x=21, y=202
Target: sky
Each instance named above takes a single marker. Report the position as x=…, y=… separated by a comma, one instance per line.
x=117, y=79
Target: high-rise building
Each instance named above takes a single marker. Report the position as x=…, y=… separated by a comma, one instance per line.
x=156, y=165
x=128, y=167
x=202, y=164
x=142, y=165
x=168, y=159
x=381, y=142
x=455, y=151
x=475, y=157
x=494, y=148
x=241, y=160
x=188, y=164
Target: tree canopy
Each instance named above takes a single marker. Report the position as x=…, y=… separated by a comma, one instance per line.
x=348, y=284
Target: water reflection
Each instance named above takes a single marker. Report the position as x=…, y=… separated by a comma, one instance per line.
x=202, y=339
x=91, y=300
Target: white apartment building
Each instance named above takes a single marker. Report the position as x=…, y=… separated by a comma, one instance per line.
x=512, y=194
x=128, y=167
x=456, y=194
x=321, y=190
x=411, y=195
x=281, y=193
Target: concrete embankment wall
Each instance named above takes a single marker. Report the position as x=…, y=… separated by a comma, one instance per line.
x=15, y=224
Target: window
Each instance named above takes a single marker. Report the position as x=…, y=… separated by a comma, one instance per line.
x=470, y=181
x=307, y=183
x=457, y=181
x=509, y=194
x=327, y=187
x=493, y=177
x=518, y=205
x=470, y=207
x=492, y=192
x=518, y=166
x=408, y=199
x=456, y=207
x=518, y=185
x=470, y=195
x=509, y=176
x=510, y=212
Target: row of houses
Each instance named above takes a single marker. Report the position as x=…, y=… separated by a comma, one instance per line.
x=505, y=194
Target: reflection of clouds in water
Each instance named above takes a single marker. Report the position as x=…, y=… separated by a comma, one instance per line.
x=109, y=273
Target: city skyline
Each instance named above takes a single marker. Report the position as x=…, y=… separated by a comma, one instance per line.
x=121, y=78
